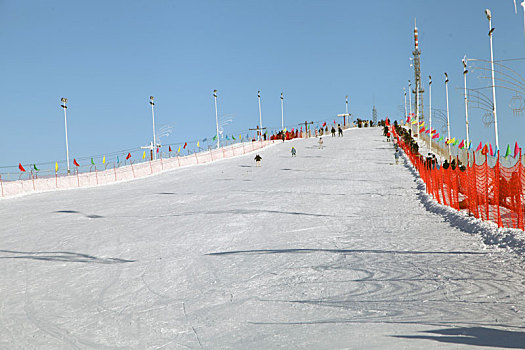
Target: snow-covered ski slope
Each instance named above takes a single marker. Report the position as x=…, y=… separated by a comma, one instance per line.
x=337, y=248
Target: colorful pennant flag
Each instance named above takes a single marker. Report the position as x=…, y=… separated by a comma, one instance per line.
x=104, y=160
x=485, y=150
x=422, y=130
x=185, y=144
x=324, y=124
x=128, y=156
x=440, y=139
x=479, y=147
x=170, y=148
x=516, y=149
x=214, y=138
x=198, y=144
x=21, y=167
x=233, y=138
x=435, y=136
x=507, y=153
x=34, y=167
x=462, y=143
x=178, y=150
x=240, y=137
x=490, y=148
x=427, y=132
x=118, y=160
x=92, y=162
x=144, y=155
x=75, y=162
x=56, y=167
x=414, y=122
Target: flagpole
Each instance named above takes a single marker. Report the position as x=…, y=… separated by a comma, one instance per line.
x=346, y=116
x=282, y=112
x=489, y=17
x=154, y=138
x=410, y=100
x=465, y=71
x=448, y=115
x=260, y=116
x=64, y=106
x=216, y=118
x=430, y=109
x=405, y=92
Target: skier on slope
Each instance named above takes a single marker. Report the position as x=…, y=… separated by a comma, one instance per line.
x=258, y=160
x=320, y=143
x=293, y=151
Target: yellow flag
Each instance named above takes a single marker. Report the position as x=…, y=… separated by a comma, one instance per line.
x=198, y=143
x=178, y=150
x=284, y=130
x=422, y=123
x=56, y=167
x=104, y=160
x=414, y=122
x=144, y=155
x=240, y=137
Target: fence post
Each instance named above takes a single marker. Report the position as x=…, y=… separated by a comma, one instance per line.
x=2, y=184
x=161, y=164
x=196, y=157
x=520, y=191
x=150, y=169
x=475, y=186
x=115, y=171
x=96, y=174
x=56, y=180
x=487, y=186
x=133, y=170
x=496, y=192
x=78, y=178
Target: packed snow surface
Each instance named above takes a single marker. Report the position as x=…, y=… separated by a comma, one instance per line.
x=337, y=248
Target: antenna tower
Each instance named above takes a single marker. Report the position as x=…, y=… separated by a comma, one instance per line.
x=418, y=90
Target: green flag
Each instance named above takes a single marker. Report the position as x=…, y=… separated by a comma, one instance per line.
x=34, y=166
x=233, y=137
x=214, y=138
x=440, y=139
x=507, y=153
x=92, y=162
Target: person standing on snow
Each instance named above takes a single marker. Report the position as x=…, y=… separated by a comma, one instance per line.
x=293, y=152
x=396, y=156
x=258, y=160
x=320, y=143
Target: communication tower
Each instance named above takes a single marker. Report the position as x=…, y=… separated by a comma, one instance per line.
x=418, y=90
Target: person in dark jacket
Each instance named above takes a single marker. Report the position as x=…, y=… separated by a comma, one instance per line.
x=258, y=159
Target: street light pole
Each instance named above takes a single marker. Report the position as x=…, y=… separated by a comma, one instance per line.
x=430, y=109
x=153, y=118
x=417, y=110
x=346, y=116
x=64, y=106
x=260, y=116
x=448, y=115
x=282, y=112
x=405, y=92
x=465, y=71
x=410, y=101
x=216, y=118
x=489, y=17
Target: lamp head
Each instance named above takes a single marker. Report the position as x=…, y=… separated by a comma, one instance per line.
x=488, y=14
x=63, y=99
x=151, y=98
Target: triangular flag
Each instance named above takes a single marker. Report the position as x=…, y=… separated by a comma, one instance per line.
x=92, y=162
x=198, y=143
x=462, y=143
x=422, y=123
x=455, y=142
x=233, y=137
x=170, y=148
x=104, y=160
x=118, y=160
x=507, y=153
x=157, y=150
x=516, y=149
x=435, y=136
x=440, y=139
x=484, y=150
x=75, y=162
x=479, y=147
x=178, y=150
x=469, y=145
x=490, y=148
x=56, y=167
x=414, y=122
x=422, y=130
x=428, y=131
x=144, y=155
x=128, y=156
x=21, y=167
x=240, y=137
x=34, y=167
x=185, y=144
x=214, y=138
x=408, y=119
x=324, y=124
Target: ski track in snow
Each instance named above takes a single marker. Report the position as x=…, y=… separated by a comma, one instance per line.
x=337, y=248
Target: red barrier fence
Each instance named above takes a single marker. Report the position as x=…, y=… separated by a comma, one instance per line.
x=493, y=193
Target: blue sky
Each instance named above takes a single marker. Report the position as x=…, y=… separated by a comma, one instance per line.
x=108, y=57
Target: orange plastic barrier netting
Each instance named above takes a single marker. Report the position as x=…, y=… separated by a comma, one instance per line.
x=488, y=193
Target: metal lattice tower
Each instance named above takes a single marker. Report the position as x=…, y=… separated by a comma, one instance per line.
x=374, y=115
x=418, y=95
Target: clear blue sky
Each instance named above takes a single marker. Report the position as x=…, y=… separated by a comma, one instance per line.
x=108, y=57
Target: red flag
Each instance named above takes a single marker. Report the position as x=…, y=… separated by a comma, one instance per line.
x=128, y=156
x=75, y=162
x=21, y=167
x=461, y=144
x=428, y=131
x=484, y=150
x=185, y=144
x=170, y=148
x=421, y=130
x=490, y=147
x=323, y=125
x=479, y=147
x=435, y=136
x=516, y=149
x=157, y=150
x=408, y=119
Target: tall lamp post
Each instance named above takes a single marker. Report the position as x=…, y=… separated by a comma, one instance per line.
x=405, y=93
x=216, y=118
x=465, y=71
x=430, y=110
x=282, y=111
x=153, y=118
x=448, y=115
x=260, y=116
x=491, y=30
x=347, y=116
x=410, y=101
x=64, y=106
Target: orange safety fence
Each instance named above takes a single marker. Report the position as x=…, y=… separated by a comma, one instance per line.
x=494, y=193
